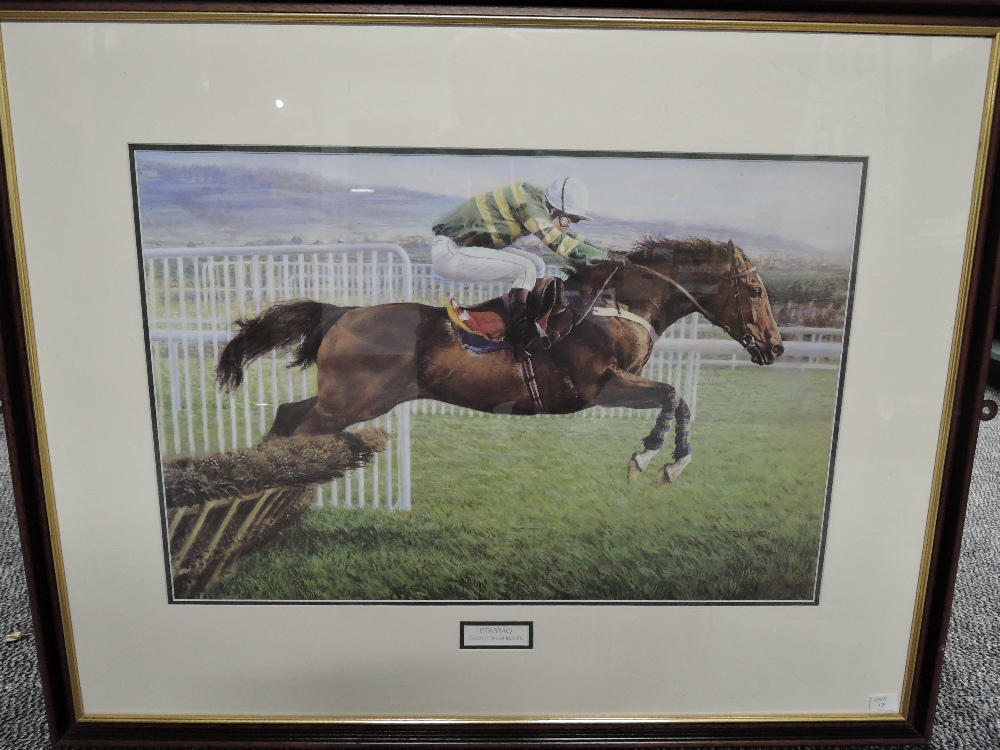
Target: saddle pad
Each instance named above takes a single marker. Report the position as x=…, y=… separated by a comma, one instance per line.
x=485, y=324
x=480, y=344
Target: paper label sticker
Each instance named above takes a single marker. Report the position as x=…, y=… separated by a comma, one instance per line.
x=497, y=635
x=886, y=702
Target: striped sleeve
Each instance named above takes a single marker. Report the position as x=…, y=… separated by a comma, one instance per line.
x=536, y=219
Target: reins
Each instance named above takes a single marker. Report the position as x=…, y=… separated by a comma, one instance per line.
x=748, y=341
x=677, y=284
x=597, y=296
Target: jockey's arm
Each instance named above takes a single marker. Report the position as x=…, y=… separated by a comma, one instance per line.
x=569, y=245
x=585, y=252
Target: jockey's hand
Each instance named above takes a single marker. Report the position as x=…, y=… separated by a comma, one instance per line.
x=584, y=256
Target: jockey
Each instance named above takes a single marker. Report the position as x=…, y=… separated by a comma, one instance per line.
x=473, y=242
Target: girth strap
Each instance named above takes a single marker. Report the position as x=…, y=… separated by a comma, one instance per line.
x=531, y=383
x=615, y=312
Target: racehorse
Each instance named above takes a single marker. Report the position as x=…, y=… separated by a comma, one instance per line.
x=372, y=358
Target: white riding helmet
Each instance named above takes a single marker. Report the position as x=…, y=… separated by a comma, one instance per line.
x=569, y=196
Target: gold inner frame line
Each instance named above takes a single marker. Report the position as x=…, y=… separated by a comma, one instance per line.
x=882, y=718
x=476, y=18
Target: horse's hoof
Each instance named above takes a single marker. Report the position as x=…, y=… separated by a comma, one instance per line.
x=634, y=470
x=668, y=473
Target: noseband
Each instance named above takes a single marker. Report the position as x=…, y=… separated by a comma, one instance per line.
x=748, y=341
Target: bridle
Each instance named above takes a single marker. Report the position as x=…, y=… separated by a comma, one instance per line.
x=747, y=340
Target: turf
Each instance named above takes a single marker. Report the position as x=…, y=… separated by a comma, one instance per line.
x=524, y=508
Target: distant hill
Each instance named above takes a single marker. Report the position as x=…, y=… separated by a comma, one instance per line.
x=206, y=206
x=209, y=206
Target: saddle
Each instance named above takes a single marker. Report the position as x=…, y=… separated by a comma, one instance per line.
x=485, y=327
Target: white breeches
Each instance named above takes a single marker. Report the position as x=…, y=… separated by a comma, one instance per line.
x=517, y=267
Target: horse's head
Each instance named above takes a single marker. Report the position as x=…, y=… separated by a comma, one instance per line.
x=745, y=311
x=720, y=282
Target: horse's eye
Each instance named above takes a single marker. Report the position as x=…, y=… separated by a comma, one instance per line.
x=756, y=293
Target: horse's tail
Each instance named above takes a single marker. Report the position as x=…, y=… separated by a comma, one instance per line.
x=303, y=322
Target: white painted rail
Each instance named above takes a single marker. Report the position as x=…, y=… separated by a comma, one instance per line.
x=193, y=296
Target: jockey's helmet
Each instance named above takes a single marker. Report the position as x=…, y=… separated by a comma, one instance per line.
x=569, y=196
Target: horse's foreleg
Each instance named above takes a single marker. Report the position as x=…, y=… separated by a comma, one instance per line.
x=682, y=446
x=633, y=391
x=651, y=444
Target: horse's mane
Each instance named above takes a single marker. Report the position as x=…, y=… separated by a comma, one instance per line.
x=651, y=249
x=667, y=248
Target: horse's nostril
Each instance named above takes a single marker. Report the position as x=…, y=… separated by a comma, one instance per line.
x=777, y=350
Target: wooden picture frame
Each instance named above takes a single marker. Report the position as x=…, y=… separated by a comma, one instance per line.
x=908, y=97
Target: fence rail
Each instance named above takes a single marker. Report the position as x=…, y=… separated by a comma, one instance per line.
x=193, y=295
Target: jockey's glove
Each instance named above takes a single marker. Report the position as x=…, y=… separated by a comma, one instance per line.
x=584, y=255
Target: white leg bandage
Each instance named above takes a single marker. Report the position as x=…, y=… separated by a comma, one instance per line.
x=644, y=457
x=674, y=469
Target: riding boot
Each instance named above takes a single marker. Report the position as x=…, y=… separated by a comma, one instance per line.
x=522, y=331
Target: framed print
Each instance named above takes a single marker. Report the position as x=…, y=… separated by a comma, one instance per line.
x=431, y=376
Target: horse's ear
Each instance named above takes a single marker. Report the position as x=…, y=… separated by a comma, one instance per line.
x=731, y=247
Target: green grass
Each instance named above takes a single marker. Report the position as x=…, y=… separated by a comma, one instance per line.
x=538, y=508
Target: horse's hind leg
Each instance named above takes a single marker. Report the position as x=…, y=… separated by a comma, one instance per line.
x=319, y=420
x=289, y=417
x=312, y=418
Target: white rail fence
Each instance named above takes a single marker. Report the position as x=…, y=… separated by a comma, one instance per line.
x=194, y=295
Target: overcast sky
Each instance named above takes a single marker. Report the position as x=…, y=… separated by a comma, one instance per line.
x=813, y=202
